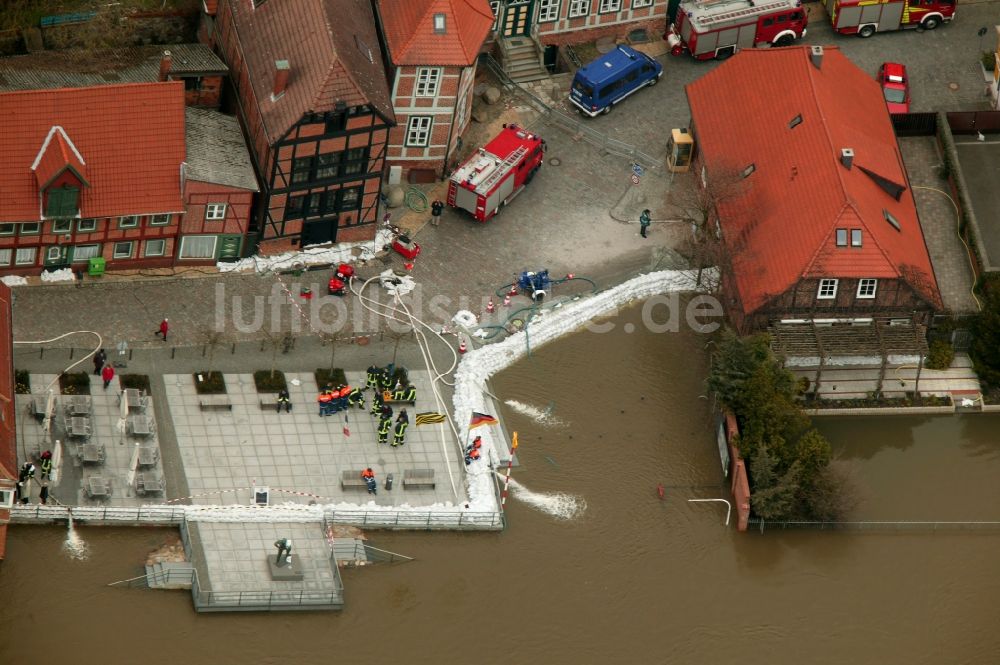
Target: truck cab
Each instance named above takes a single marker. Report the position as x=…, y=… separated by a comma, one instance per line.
x=611, y=78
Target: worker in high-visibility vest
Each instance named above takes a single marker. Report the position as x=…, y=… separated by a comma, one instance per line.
x=399, y=436
x=325, y=400
x=384, y=425
x=356, y=398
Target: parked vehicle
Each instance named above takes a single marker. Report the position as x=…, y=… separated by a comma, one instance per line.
x=496, y=173
x=895, y=86
x=864, y=18
x=719, y=28
x=611, y=78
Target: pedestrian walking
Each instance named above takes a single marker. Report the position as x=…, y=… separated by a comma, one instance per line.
x=99, y=359
x=644, y=222
x=436, y=208
x=107, y=374
x=164, y=329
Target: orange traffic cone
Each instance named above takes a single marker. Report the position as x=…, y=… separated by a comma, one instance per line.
x=461, y=347
x=506, y=300
x=490, y=307
x=408, y=266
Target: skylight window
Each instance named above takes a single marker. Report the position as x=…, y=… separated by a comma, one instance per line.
x=364, y=48
x=795, y=122
x=892, y=220
x=748, y=170
x=439, y=23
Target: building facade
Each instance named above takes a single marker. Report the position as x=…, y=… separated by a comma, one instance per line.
x=431, y=47
x=559, y=22
x=811, y=199
x=316, y=112
x=8, y=421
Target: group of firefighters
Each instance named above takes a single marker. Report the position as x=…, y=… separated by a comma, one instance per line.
x=27, y=475
x=332, y=400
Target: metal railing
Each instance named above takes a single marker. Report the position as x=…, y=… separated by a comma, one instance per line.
x=572, y=125
x=430, y=520
x=876, y=525
x=155, y=515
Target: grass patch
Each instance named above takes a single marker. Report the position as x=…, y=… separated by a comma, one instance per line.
x=22, y=384
x=211, y=383
x=268, y=383
x=74, y=383
x=139, y=382
x=334, y=377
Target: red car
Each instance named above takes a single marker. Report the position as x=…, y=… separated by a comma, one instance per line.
x=895, y=86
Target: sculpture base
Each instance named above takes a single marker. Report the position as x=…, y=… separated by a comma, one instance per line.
x=286, y=572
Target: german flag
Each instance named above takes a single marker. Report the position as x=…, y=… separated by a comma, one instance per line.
x=429, y=418
x=480, y=419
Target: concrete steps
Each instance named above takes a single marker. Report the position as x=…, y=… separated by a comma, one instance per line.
x=169, y=575
x=349, y=551
x=522, y=62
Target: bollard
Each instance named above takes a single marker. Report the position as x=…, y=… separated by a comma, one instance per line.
x=388, y=481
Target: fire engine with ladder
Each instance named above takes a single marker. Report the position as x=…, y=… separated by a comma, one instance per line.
x=496, y=173
x=719, y=28
x=865, y=17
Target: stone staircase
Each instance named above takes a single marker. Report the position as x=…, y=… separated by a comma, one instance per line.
x=169, y=575
x=522, y=60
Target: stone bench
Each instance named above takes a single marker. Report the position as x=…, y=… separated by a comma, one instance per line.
x=418, y=478
x=269, y=402
x=352, y=480
x=215, y=403
x=410, y=402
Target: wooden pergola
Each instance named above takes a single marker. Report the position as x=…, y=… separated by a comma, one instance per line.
x=878, y=338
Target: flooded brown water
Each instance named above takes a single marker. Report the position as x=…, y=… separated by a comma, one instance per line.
x=633, y=580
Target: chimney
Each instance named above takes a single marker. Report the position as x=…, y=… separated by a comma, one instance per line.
x=281, y=69
x=165, y=64
x=847, y=158
x=816, y=55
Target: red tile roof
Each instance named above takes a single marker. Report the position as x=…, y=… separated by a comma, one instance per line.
x=332, y=49
x=57, y=155
x=130, y=140
x=409, y=30
x=781, y=226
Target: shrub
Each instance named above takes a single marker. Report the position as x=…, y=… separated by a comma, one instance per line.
x=211, y=383
x=268, y=381
x=334, y=377
x=940, y=355
x=75, y=383
x=988, y=60
x=22, y=382
x=138, y=382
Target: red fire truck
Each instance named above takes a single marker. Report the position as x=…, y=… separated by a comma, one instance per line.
x=718, y=28
x=864, y=17
x=496, y=173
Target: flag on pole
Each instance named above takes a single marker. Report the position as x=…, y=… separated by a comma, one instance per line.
x=480, y=419
x=429, y=418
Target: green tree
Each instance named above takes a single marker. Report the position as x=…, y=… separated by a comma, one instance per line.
x=985, y=347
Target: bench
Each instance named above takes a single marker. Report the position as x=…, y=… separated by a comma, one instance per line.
x=270, y=402
x=414, y=478
x=411, y=402
x=215, y=403
x=352, y=480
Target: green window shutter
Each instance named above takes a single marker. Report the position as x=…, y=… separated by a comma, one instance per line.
x=62, y=202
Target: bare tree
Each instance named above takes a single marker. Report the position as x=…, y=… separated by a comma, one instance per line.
x=211, y=340
x=397, y=337
x=109, y=28
x=331, y=339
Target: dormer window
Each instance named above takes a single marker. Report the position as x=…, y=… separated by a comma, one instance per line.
x=62, y=202
x=439, y=24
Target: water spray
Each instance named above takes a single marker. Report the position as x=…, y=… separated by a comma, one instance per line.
x=542, y=417
x=75, y=545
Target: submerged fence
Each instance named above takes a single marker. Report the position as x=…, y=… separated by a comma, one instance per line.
x=877, y=525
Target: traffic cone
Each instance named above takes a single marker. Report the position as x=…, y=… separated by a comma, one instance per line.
x=570, y=275
x=490, y=307
x=461, y=347
x=408, y=266
x=506, y=300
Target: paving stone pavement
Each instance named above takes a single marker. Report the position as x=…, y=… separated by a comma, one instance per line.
x=939, y=224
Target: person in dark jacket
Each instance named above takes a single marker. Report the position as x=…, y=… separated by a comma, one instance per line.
x=436, y=209
x=384, y=425
x=46, y=465
x=284, y=400
x=99, y=359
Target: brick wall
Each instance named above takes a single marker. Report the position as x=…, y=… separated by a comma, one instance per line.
x=209, y=94
x=197, y=195
x=582, y=33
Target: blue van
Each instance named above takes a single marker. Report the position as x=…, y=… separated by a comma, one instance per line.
x=611, y=78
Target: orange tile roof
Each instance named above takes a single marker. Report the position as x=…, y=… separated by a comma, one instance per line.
x=409, y=30
x=131, y=138
x=781, y=227
x=57, y=154
x=332, y=49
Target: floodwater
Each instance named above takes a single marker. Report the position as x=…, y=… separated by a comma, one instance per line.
x=633, y=580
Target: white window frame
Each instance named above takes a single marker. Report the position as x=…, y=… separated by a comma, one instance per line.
x=867, y=288
x=92, y=221
x=215, y=212
x=37, y=226
x=642, y=4
x=495, y=8
x=418, y=131
x=159, y=220
x=29, y=251
x=6, y=255
x=53, y=253
x=127, y=255
x=608, y=6
x=827, y=289
x=548, y=10
x=128, y=222
x=6, y=498
x=67, y=226
x=149, y=243
x=186, y=239
x=76, y=251
x=578, y=8
x=8, y=229
x=427, y=82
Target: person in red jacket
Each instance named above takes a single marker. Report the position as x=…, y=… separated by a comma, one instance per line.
x=164, y=328
x=107, y=374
